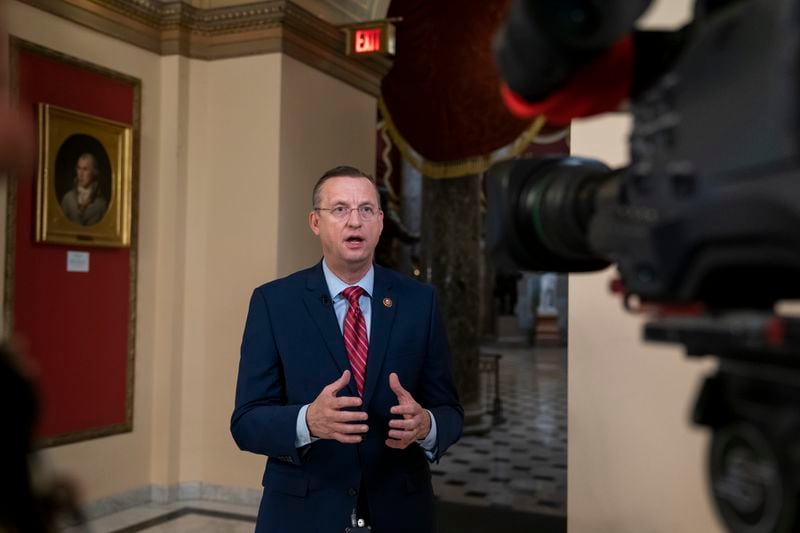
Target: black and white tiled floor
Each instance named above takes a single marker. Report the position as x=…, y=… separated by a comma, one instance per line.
x=521, y=463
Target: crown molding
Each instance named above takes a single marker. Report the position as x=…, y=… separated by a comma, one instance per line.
x=175, y=27
x=345, y=11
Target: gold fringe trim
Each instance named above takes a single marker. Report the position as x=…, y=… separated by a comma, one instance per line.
x=462, y=167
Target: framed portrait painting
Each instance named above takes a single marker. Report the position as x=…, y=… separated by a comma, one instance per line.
x=84, y=179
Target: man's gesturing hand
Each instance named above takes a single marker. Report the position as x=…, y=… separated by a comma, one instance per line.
x=326, y=418
x=416, y=422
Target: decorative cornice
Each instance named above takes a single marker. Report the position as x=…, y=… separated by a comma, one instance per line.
x=344, y=11
x=270, y=26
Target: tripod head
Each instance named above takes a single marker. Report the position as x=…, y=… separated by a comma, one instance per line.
x=750, y=406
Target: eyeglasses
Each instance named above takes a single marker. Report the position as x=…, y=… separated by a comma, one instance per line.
x=340, y=212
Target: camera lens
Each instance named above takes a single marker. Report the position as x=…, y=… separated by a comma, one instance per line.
x=539, y=212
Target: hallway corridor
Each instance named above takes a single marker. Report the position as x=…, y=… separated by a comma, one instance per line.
x=521, y=464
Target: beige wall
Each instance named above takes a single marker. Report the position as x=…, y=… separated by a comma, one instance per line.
x=241, y=214
x=635, y=463
x=229, y=152
x=324, y=123
x=167, y=232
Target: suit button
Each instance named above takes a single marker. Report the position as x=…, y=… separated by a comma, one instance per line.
x=352, y=492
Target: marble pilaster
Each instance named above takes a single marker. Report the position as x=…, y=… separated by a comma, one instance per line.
x=451, y=230
x=411, y=206
x=487, y=306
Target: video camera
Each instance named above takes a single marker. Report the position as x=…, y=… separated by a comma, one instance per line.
x=703, y=225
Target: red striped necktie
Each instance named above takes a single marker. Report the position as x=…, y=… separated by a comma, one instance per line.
x=355, y=336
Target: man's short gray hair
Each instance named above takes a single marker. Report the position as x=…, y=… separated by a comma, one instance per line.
x=342, y=171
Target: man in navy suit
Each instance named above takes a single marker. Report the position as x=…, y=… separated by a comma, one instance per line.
x=344, y=380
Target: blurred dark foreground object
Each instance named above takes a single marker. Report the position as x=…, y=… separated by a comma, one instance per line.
x=31, y=500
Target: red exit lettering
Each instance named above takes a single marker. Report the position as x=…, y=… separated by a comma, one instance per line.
x=367, y=41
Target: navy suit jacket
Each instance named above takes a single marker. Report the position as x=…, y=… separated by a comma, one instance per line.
x=292, y=348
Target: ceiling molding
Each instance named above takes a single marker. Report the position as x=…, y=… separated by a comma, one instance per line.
x=347, y=11
x=176, y=27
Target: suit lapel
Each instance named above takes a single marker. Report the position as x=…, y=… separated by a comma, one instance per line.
x=320, y=306
x=384, y=306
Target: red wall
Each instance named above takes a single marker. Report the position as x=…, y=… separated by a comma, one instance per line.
x=74, y=325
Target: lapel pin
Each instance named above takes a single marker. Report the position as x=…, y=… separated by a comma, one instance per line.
x=387, y=302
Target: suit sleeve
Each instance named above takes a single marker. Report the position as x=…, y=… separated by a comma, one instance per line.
x=438, y=389
x=262, y=422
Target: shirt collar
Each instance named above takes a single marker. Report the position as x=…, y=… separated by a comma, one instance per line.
x=336, y=285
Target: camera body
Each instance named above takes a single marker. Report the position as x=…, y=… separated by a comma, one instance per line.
x=703, y=225
x=711, y=197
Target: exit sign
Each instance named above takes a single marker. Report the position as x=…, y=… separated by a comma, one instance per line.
x=370, y=38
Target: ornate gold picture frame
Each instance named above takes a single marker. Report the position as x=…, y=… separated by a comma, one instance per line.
x=84, y=179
